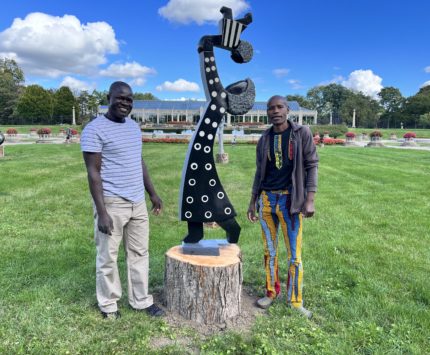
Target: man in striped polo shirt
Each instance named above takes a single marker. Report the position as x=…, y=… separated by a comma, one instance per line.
x=117, y=176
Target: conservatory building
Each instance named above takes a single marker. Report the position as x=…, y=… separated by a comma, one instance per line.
x=167, y=112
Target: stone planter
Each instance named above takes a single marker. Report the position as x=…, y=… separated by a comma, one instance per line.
x=409, y=142
x=350, y=141
x=393, y=137
x=375, y=141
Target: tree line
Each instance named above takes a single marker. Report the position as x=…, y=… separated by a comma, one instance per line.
x=336, y=103
x=33, y=104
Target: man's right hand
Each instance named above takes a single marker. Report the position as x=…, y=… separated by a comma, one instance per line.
x=105, y=223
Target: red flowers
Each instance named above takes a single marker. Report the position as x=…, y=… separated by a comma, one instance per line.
x=350, y=134
x=409, y=135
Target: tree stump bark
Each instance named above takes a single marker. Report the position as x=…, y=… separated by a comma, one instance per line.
x=205, y=289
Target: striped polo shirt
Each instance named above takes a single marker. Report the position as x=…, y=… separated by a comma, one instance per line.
x=120, y=145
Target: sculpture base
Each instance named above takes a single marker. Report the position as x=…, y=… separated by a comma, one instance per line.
x=222, y=158
x=205, y=289
x=204, y=247
x=375, y=144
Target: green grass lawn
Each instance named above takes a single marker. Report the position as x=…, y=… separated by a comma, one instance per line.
x=366, y=257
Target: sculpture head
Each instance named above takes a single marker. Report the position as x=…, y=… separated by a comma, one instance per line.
x=242, y=53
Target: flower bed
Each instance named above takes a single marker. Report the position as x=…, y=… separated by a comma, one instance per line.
x=350, y=135
x=333, y=141
x=164, y=140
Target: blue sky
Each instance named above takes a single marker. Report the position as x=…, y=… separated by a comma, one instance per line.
x=364, y=45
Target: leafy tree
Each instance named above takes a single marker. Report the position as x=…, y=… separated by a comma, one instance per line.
x=424, y=120
x=35, y=105
x=143, y=96
x=392, y=101
x=328, y=99
x=415, y=106
x=87, y=106
x=303, y=102
x=367, y=110
x=64, y=101
x=101, y=97
x=11, y=80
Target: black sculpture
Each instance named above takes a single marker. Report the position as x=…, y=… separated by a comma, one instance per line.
x=2, y=138
x=202, y=197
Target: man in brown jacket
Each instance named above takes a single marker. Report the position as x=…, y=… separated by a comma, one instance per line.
x=284, y=188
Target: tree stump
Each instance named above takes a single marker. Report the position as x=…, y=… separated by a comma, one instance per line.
x=205, y=289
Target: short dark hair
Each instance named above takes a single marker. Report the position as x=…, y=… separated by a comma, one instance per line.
x=115, y=85
x=283, y=98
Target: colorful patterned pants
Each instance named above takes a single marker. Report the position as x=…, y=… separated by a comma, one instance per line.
x=274, y=207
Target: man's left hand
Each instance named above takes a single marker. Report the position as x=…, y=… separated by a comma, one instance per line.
x=308, y=209
x=157, y=204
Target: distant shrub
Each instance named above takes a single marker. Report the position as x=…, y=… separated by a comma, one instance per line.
x=376, y=134
x=11, y=131
x=333, y=130
x=44, y=131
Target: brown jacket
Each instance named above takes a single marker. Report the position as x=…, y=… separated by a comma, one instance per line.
x=305, y=164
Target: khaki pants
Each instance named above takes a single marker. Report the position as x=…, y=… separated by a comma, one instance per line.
x=130, y=222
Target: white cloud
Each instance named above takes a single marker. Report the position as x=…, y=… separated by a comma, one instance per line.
x=132, y=70
x=199, y=11
x=427, y=83
x=52, y=46
x=280, y=72
x=364, y=81
x=77, y=85
x=335, y=80
x=295, y=84
x=427, y=69
x=179, y=85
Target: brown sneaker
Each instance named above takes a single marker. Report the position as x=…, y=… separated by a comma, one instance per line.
x=265, y=302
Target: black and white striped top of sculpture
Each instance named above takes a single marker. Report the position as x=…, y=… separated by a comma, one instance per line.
x=202, y=196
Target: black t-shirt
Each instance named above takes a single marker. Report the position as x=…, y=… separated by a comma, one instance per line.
x=279, y=166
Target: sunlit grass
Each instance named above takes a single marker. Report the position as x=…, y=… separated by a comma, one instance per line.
x=366, y=256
